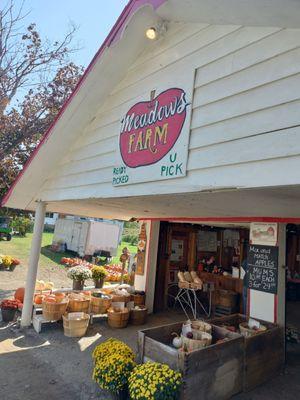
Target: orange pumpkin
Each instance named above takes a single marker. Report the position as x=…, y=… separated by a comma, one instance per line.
x=19, y=294
x=38, y=299
x=50, y=299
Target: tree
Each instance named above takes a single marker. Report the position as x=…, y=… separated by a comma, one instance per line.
x=36, y=78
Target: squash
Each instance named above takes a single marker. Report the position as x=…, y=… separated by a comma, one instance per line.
x=19, y=294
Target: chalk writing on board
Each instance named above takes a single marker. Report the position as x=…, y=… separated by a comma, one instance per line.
x=263, y=268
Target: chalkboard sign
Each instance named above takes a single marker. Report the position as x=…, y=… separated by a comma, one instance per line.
x=262, y=268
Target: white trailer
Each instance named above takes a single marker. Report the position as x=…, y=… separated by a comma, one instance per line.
x=87, y=237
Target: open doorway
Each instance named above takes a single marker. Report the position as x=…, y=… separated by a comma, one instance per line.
x=215, y=252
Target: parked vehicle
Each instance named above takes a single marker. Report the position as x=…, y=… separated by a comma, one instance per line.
x=5, y=228
x=87, y=237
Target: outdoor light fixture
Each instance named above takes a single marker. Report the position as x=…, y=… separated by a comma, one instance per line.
x=151, y=33
x=154, y=32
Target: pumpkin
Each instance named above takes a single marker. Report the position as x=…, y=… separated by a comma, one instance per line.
x=19, y=294
x=38, y=299
x=50, y=299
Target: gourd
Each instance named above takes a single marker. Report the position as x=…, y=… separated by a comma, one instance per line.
x=177, y=341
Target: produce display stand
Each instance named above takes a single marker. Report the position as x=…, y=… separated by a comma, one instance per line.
x=214, y=372
x=38, y=320
x=263, y=353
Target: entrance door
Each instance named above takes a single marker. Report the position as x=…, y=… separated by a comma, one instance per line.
x=173, y=251
x=76, y=236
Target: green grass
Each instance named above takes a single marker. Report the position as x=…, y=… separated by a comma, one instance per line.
x=19, y=247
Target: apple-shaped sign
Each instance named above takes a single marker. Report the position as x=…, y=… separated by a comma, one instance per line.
x=150, y=129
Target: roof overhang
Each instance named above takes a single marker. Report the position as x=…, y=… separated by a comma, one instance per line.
x=123, y=44
x=270, y=204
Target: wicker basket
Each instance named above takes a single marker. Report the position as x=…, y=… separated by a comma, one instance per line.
x=139, y=299
x=75, y=324
x=118, y=319
x=247, y=332
x=200, y=340
x=202, y=326
x=138, y=316
x=227, y=298
x=79, y=305
x=100, y=305
x=54, y=311
x=116, y=298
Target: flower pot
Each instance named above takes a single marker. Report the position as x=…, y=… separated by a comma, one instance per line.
x=8, y=315
x=99, y=283
x=78, y=285
x=121, y=395
x=12, y=267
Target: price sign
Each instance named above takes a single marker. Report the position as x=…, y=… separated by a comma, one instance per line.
x=263, y=268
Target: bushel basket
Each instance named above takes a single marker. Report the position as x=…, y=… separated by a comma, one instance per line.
x=100, y=305
x=118, y=319
x=75, y=324
x=79, y=305
x=54, y=311
x=138, y=316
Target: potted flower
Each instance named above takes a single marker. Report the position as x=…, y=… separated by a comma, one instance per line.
x=79, y=274
x=98, y=274
x=9, y=308
x=114, y=362
x=154, y=381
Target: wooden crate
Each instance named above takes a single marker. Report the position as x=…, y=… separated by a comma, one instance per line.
x=263, y=353
x=212, y=373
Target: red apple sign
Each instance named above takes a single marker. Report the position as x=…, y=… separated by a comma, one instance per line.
x=150, y=129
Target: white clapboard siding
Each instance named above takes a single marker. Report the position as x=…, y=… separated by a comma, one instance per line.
x=282, y=143
x=219, y=177
x=265, y=120
x=272, y=45
x=245, y=114
x=276, y=68
x=177, y=33
x=268, y=95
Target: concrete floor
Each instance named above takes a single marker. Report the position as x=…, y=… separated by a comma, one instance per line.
x=51, y=366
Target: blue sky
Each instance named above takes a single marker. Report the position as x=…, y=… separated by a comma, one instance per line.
x=94, y=19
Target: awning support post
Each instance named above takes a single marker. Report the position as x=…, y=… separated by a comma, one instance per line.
x=33, y=263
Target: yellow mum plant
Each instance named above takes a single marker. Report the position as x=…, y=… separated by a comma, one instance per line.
x=154, y=381
x=112, y=346
x=114, y=362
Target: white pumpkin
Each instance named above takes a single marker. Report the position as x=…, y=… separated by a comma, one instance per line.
x=177, y=341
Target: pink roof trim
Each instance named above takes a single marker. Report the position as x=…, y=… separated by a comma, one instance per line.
x=113, y=36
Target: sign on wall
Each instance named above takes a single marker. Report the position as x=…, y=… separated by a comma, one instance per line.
x=141, y=251
x=263, y=233
x=263, y=268
x=154, y=136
